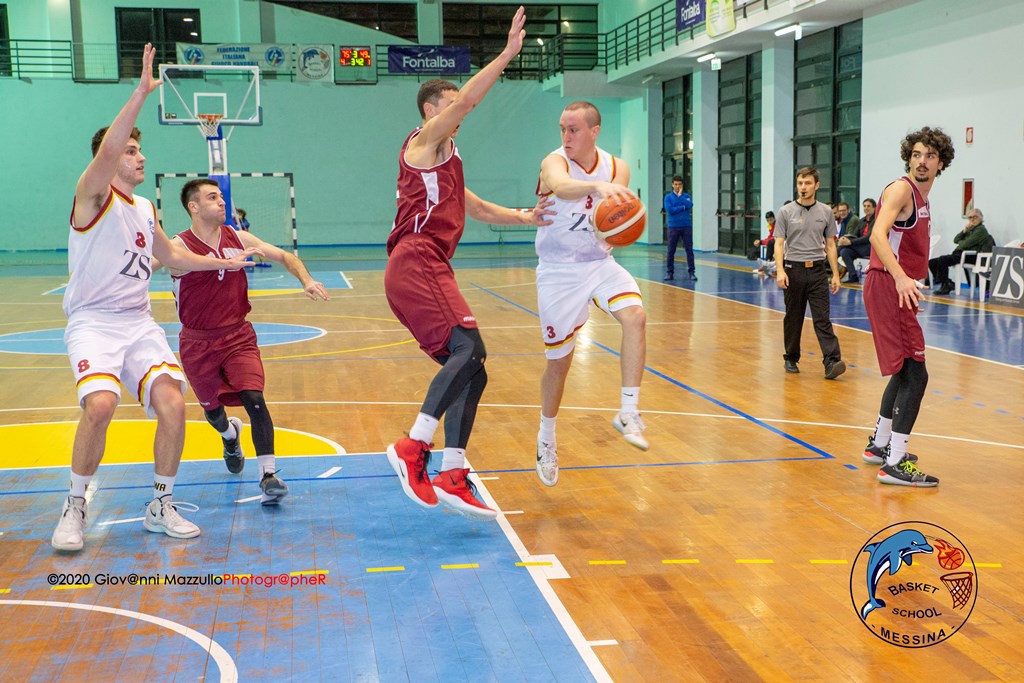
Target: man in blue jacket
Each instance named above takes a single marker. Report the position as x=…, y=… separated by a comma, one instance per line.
x=679, y=212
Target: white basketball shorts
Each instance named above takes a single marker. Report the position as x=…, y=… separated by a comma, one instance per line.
x=565, y=292
x=111, y=350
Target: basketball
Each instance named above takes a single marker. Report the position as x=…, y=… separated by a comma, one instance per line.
x=949, y=557
x=619, y=222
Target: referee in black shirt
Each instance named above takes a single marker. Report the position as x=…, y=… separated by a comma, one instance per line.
x=805, y=234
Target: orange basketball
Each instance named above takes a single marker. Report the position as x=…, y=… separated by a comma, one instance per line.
x=619, y=222
x=949, y=556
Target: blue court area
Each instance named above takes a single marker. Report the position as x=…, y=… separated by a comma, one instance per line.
x=406, y=593
x=51, y=342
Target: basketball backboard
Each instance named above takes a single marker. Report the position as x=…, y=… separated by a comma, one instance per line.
x=188, y=90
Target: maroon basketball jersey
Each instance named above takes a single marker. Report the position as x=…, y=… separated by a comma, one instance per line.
x=909, y=239
x=431, y=201
x=211, y=299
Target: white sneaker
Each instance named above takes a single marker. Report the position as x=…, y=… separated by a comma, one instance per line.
x=631, y=427
x=163, y=518
x=71, y=527
x=547, y=462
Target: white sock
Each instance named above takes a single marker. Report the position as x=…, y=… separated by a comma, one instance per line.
x=79, y=484
x=162, y=486
x=266, y=463
x=230, y=433
x=423, y=429
x=547, y=429
x=883, y=432
x=897, y=448
x=631, y=399
x=453, y=459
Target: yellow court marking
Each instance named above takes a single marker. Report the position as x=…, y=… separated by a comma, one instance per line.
x=169, y=296
x=333, y=353
x=680, y=561
x=131, y=441
x=460, y=566
x=309, y=572
x=385, y=569
x=755, y=561
x=607, y=562
x=534, y=564
x=71, y=587
x=829, y=562
x=5, y=590
x=989, y=565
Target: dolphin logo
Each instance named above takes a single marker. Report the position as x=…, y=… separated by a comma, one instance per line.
x=889, y=555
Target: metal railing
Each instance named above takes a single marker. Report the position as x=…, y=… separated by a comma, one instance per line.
x=645, y=36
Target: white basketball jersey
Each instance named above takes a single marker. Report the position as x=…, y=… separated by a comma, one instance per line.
x=110, y=260
x=570, y=237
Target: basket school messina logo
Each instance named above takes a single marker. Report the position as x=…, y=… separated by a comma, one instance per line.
x=913, y=584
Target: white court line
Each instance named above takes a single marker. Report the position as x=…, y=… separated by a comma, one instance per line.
x=347, y=281
x=537, y=574
x=510, y=512
x=121, y=521
x=248, y=500
x=488, y=478
x=599, y=643
x=228, y=670
x=329, y=473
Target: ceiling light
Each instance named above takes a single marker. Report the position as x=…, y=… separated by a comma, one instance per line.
x=795, y=29
x=188, y=20
x=540, y=41
x=565, y=23
x=704, y=58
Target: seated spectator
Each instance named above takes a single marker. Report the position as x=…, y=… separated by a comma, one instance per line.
x=847, y=221
x=765, y=265
x=974, y=237
x=857, y=245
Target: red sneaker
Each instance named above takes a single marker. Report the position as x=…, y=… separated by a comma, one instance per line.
x=409, y=460
x=456, y=491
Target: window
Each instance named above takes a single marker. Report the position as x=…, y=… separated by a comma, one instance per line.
x=739, y=153
x=5, y=43
x=165, y=28
x=827, y=110
x=570, y=29
x=391, y=18
x=677, y=132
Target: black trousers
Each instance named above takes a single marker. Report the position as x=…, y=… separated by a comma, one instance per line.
x=808, y=286
x=674, y=235
x=940, y=266
x=849, y=253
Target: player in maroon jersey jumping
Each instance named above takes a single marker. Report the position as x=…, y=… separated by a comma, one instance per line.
x=899, y=257
x=432, y=205
x=217, y=344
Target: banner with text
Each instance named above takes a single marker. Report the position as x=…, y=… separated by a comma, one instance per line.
x=428, y=59
x=1007, y=281
x=315, y=63
x=721, y=18
x=689, y=13
x=269, y=57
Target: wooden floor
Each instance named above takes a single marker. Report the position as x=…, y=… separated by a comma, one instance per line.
x=723, y=553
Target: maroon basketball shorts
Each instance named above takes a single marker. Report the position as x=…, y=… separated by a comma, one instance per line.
x=423, y=295
x=220, y=363
x=895, y=330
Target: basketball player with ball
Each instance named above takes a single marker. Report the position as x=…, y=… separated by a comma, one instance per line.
x=576, y=266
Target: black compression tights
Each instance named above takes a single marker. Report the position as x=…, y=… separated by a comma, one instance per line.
x=901, y=401
x=259, y=419
x=456, y=389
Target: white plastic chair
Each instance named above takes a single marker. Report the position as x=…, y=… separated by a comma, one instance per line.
x=935, y=239
x=964, y=273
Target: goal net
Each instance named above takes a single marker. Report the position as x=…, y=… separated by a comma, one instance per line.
x=268, y=200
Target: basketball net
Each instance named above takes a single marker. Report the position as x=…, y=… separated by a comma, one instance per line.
x=209, y=125
x=959, y=585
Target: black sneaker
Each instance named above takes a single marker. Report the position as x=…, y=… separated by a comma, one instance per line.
x=668, y=277
x=833, y=370
x=906, y=473
x=791, y=366
x=693, y=277
x=945, y=289
x=273, y=489
x=234, y=458
x=873, y=455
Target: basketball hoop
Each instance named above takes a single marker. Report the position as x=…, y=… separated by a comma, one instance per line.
x=209, y=123
x=959, y=586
